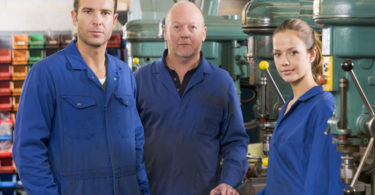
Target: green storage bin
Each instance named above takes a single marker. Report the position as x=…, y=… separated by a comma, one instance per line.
x=35, y=55
x=36, y=41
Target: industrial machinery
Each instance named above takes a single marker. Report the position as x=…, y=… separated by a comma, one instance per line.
x=259, y=20
x=349, y=70
x=224, y=46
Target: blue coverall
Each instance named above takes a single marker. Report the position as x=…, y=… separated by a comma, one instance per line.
x=72, y=136
x=185, y=137
x=302, y=159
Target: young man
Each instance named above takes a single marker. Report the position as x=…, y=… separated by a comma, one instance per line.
x=77, y=128
x=191, y=114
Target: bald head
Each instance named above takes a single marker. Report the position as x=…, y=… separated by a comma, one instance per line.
x=187, y=8
x=184, y=31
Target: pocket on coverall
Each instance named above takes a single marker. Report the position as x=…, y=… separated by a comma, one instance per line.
x=125, y=114
x=79, y=116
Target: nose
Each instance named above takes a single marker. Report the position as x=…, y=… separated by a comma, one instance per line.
x=98, y=19
x=185, y=33
x=284, y=60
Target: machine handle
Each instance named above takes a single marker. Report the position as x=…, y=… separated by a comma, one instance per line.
x=350, y=189
x=263, y=65
x=343, y=83
x=347, y=65
x=263, y=84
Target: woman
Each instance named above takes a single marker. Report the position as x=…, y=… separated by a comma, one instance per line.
x=302, y=159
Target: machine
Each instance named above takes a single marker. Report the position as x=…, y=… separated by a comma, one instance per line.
x=349, y=54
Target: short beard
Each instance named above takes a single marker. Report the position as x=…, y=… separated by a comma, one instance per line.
x=188, y=55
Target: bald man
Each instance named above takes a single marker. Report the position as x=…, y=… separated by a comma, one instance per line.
x=191, y=114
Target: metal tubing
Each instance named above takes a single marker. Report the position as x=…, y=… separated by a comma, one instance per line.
x=210, y=7
x=263, y=85
x=275, y=86
x=360, y=91
x=342, y=84
x=369, y=147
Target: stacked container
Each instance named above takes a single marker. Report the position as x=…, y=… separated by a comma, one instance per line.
x=20, y=65
x=7, y=170
x=114, y=46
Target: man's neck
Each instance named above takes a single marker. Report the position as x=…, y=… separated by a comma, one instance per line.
x=94, y=58
x=182, y=65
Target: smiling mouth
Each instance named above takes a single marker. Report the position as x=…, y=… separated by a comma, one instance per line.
x=287, y=71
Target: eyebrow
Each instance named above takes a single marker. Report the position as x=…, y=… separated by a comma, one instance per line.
x=291, y=48
x=183, y=22
x=89, y=8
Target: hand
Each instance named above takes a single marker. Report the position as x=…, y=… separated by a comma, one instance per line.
x=224, y=189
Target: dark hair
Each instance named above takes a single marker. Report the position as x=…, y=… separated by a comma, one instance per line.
x=76, y=5
x=307, y=35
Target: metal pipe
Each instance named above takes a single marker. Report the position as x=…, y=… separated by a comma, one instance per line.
x=342, y=84
x=210, y=7
x=368, y=149
x=275, y=86
x=263, y=85
x=361, y=93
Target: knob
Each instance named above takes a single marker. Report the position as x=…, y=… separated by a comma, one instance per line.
x=321, y=80
x=347, y=65
x=265, y=162
x=349, y=190
x=136, y=60
x=263, y=65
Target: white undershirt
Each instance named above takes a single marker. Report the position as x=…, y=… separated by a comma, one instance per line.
x=102, y=80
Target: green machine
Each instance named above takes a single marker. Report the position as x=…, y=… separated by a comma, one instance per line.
x=349, y=53
x=259, y=20
x=225, y=43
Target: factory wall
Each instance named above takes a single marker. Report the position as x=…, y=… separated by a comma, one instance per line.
x=54, y=15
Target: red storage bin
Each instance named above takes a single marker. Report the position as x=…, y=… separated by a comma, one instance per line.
x=5, y=72
x=20, y=41
x=5, y=88
x=5, y=56
x=6, y=162
x=5, y=103
x=114, y=41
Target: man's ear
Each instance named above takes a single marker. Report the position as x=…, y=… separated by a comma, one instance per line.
x=115, y=16
x=165, y=32
x=74, y=17
x=204, y=33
